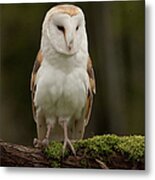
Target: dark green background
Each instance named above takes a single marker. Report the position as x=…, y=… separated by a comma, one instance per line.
x=117, y=47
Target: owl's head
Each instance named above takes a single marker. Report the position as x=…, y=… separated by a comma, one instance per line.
x=64, y=29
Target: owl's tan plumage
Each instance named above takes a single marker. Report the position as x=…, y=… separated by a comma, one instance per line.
x=73, y=66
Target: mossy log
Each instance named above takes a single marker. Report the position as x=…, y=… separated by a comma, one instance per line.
x=100, y=152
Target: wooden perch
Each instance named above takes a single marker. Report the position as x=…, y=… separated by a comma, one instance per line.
x=101, y=152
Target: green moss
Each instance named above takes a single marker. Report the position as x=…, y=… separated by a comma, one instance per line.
x=83, y=163
x=55, y=163
x=132, y=146
x=101, y=147
x=54, y=150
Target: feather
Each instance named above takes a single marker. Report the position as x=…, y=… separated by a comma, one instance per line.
x=71, y=10
x=36, y=67
x=91, y=91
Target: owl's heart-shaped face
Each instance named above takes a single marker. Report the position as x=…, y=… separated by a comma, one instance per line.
x=66, y=31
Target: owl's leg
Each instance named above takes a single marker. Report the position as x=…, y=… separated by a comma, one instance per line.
x=41, y=128
x=45, y=141
x=44, y=127
x=41, y=132
x=66, y=139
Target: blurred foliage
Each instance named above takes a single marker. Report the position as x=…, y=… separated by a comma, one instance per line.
x=117, y=47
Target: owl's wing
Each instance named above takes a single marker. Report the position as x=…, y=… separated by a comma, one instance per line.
x=91, y=91
x=36, y=67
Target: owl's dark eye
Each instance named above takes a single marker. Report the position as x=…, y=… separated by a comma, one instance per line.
x=77, y=28
x=61, y=28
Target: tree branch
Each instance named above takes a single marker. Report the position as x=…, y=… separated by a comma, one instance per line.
x=101, y=152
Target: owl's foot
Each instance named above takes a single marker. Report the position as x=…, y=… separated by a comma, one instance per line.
x=36, y=143
x=45, y=142
x=40, y=144
x=68, y=142
x=66, y=139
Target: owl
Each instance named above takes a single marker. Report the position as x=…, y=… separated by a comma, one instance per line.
x=62, y=80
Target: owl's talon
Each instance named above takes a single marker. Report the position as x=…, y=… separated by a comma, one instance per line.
x=45, y=142
x=36, y=143
x=40, y=144
x=67, y=141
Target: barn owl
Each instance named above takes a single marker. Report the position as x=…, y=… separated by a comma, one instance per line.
x=62, y=80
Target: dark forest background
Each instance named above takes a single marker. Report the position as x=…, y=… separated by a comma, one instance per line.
x=117, y=47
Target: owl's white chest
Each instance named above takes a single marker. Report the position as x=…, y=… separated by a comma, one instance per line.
x=61, y=92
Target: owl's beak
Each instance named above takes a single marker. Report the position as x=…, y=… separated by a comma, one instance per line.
x=70, y=45
x=69, y=40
